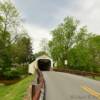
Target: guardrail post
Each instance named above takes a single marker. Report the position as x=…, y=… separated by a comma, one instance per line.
x=33, y=90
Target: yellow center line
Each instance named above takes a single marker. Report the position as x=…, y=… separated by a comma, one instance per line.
x=91, y=91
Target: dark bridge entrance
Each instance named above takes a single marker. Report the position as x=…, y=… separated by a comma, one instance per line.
x=44, y=64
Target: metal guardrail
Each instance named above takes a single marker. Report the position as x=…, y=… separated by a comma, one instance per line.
x=37, y=88
x=83, y=73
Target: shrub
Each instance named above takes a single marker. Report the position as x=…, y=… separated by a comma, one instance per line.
x=11, y=74
x=23, y=70
x=15, y=72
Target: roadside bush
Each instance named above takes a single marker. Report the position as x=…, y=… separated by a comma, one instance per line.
x=11, y=74
x=15, y=72
x=23, y=70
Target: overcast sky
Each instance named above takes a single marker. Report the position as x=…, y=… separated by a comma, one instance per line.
x=41, y=16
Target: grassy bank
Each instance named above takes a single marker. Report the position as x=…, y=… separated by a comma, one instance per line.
x=96, y=78
x=16, y=91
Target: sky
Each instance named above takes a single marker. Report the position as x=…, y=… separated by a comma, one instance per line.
x=41, y=16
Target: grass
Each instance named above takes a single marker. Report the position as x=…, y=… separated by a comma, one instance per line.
x=16, y=91
x=96, y=78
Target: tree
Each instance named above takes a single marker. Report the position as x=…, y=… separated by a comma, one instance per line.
x=8, y=21
x=44, y=45
x=14, y=48
x=77, y=45
x=5, y=60
x=63, y=39
x=79, y=58
x=86, y=56
x=22, y=50
x=10, y=16
x=94, y=48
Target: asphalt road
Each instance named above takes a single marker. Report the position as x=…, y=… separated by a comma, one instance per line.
x=62, y=86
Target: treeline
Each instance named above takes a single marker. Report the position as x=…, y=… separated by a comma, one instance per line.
x=15, y=44
x=76, y=45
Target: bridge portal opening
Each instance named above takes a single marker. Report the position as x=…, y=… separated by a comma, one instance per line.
x=44, y=64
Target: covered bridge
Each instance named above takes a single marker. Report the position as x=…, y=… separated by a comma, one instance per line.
x=44, y=63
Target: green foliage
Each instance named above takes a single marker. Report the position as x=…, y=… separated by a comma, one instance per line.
x=15, y=49
x=77, y=45
x=15, y=72
x=11, y=74
x=10, y=16
x=79, y=58
x=5, y=50
x=94, y=48
x=23, y=70
x=63, y=39
x=22, y=49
